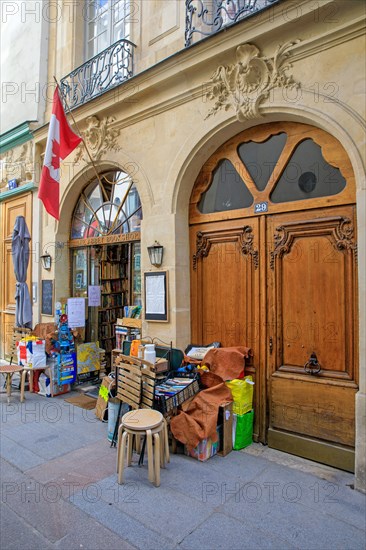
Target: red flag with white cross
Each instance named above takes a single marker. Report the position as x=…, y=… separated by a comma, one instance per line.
x=61, y=142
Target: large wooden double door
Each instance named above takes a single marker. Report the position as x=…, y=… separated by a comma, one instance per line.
x=283, y=283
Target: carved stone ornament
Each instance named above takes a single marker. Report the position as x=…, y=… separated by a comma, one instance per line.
x=246, y=84
x=99, y=138
x=339, y=229
x=17, y=164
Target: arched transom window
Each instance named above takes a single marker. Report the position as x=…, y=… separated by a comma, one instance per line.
x=271, y=168
x=108, y=206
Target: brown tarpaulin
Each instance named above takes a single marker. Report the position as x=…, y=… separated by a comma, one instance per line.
x=197, y=419
x=228, y=363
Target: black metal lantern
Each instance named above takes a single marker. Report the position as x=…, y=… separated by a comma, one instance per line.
x=156, y=254
x=46, y=261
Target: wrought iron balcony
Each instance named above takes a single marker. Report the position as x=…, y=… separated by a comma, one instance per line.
x=99, y=74
x=206, y=17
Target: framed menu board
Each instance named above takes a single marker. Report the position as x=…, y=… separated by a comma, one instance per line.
x=47, y=297
x=156, y=297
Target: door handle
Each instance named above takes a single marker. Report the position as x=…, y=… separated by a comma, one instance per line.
x=270, y=345
x=312, y=365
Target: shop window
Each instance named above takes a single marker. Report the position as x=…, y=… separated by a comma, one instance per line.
x=261, y=158
x=307, y=175
x=107, y=22
x=80, y=271
x=111, y=209
x=226, y=192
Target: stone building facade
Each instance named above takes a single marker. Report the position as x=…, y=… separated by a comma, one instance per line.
x=191, y=95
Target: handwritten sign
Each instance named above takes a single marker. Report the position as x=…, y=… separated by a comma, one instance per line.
x=94, y=294
x=76, y=312
x=47, y=297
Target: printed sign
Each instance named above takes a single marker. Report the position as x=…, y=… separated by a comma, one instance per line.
x=94, y=294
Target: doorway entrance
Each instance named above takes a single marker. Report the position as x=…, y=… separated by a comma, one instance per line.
x=105, y=253
x=273, y=244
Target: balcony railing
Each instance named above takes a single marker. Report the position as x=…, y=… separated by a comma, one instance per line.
x=206, y=17
x=99, y=74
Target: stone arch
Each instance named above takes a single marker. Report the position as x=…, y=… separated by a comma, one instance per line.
x=69, y=198
x=348, y=129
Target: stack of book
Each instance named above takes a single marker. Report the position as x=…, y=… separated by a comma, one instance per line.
x=173, y=392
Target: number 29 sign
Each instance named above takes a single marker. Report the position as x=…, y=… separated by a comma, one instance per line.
x=260, y=207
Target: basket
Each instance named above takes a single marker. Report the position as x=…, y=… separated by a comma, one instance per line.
x=165, y=404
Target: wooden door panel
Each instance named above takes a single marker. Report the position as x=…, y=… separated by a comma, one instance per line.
x=312, y=300
x=319, y=284
x=224, y=295
x=9, y=278
x=20, y=205
x=313, y=267
x=223, y=278
x=317, y=410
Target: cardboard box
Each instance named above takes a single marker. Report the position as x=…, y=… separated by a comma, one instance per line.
x=161, y=365
x=130, y=322
x=225, y=422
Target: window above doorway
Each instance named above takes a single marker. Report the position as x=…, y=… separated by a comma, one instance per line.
x=272, y=168
x=110, y=206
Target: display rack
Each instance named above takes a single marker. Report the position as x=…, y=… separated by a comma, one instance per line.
x=66, y=360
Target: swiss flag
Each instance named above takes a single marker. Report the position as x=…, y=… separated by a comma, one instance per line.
x=61, y=142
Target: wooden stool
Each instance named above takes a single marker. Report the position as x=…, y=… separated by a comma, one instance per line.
x=24, y=374
x=146, y=422
x=9, y=370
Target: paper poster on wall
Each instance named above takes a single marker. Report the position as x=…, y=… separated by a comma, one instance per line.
x=156, y=296
x=76, y=312
x=94, y=294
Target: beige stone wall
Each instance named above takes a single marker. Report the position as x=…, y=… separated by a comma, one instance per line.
x=165, y=138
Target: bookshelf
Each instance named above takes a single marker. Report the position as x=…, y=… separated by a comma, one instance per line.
x=114, y=282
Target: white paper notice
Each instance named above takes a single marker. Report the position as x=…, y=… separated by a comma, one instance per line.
x=155, y=295
x=94, y=294
x=76, y=312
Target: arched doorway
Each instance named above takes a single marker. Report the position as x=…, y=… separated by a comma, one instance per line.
x=105, y=252
x=273, y=244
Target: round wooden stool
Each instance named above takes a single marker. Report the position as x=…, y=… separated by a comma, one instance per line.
x=149, y=423
x=9, y=370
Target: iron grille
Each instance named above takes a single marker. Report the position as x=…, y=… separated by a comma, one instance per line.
x=99, y=74
x=206, y=17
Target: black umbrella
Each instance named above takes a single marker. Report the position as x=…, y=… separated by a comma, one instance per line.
x=20, y=253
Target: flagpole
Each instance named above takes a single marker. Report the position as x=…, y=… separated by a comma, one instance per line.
x=83, y=140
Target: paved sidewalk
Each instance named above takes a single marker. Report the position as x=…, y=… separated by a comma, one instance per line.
x=60, y=491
